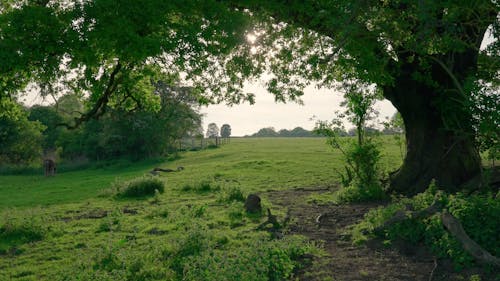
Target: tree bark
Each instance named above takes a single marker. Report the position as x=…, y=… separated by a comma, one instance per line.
x=439, y=133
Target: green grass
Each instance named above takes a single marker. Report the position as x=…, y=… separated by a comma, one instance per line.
x=33, y=190
x=86, y=235
x=257, y=164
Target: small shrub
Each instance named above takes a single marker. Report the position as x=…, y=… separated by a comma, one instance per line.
x=360, y=180
x=475, y=277
x=139, y=187
x=156, y=198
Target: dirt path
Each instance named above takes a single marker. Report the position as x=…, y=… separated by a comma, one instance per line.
x=347, y=262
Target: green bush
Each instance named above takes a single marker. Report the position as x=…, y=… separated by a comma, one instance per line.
x=361, y=176
x=361, y=179
x=478, y=215
x=139, y=187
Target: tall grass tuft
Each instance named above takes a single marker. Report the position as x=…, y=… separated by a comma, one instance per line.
x=139, y=187
x=231, y=194
x=201, y=187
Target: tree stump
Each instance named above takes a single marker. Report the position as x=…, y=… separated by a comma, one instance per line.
x=252, y=204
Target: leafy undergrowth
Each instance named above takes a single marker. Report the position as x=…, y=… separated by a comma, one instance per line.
x=195, y=253
x=477, y=213
x=358, y=193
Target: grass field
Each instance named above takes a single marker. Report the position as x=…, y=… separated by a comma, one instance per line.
x=66, y=228
x=256, y=164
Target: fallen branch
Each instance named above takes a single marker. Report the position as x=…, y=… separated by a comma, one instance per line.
x=275, y=229
x=470, y=246
x=271, y=219
x=403, y=215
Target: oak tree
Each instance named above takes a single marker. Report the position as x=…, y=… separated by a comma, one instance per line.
x=423, y=56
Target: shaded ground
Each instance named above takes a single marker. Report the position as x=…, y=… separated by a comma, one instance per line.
x=347, y=262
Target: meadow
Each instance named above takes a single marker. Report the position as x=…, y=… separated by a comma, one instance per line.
x=70, y=227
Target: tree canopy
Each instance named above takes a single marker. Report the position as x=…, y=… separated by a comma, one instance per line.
x=109, y=50
x=20, y=138
x=212, y=130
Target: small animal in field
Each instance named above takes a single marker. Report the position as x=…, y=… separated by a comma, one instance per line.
x=49, y=166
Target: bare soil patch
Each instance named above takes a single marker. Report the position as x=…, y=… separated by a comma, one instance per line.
x=347, y=262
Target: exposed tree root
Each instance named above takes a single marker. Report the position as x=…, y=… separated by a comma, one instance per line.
x=470, y=246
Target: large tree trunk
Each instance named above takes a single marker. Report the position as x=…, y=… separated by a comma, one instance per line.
x=439, y=134
x=428, y=92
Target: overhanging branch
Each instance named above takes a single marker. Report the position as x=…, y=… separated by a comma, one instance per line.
x=99, y=107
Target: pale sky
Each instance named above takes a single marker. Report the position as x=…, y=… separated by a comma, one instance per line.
x=247, y=119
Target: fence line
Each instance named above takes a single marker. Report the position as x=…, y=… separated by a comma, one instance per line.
x=185, y=144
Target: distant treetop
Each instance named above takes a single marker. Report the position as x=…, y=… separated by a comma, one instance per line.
x=225, y=131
